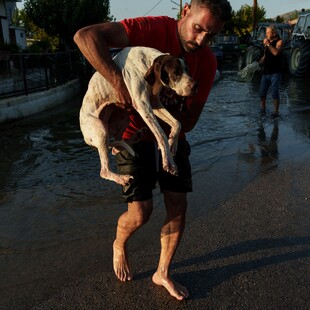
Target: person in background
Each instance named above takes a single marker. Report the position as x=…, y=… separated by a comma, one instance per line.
x=272, y=68
x=187, y=38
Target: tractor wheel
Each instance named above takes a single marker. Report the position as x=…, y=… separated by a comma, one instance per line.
x=300, y=58
x=253, y=54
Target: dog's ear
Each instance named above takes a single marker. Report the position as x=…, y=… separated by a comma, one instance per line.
x=154, y=70
x=161, y=68
x=164, y=76
x=150, y=75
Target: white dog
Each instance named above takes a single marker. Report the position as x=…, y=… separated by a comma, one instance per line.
x=145, y=71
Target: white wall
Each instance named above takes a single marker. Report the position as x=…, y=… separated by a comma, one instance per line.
x=6, y=12
x=20, y=35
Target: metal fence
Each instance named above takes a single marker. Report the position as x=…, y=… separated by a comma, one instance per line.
x=21, y=74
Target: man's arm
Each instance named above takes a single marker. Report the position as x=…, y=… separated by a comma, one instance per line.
x=262, y=60
x=94, y=42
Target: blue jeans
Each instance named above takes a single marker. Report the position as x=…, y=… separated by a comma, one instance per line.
x=272, y=80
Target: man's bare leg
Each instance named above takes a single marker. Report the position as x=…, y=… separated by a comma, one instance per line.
x=120, y=263
x=171, y=233
x=137, y=214
x=263, y=104
x=276, y=104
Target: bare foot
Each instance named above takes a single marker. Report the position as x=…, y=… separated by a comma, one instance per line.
x=120, y=263
x=175, y=289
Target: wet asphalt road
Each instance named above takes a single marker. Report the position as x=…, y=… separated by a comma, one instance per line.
x=247, y=239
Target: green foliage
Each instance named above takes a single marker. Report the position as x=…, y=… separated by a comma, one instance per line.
x=16, y=18
x=41, y=46
x=62, y=18
x=279, y=19
x=39, y=40
x=242, y=20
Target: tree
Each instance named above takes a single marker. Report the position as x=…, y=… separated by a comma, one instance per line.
x=179, y=8
x=40, y=39
x=243, y=18
x=279, y=19
x=62, y=18
x=254, y=14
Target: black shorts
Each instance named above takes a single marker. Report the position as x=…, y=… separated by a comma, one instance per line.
x=146, y=168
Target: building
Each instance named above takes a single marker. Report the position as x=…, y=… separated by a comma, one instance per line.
x=9, y=33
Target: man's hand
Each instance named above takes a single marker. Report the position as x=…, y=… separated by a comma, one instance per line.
x=94, y=42
x=266, y=41
x=124, y=99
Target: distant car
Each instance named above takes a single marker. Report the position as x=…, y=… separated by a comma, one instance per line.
x=219, y=55
x=229, y=44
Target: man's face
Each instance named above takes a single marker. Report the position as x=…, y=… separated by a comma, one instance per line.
x=197, y=27
x=269, y=34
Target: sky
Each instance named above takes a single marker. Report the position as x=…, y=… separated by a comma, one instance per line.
x=132, y=8
x=121, y=9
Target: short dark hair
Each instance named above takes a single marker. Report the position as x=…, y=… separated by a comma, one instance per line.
x=220, y=8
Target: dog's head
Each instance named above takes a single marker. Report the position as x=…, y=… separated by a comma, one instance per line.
x=171, y=72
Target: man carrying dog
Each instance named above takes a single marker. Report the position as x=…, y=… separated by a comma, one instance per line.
x=187, y=38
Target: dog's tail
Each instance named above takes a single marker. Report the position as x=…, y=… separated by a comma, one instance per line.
x=118, y=146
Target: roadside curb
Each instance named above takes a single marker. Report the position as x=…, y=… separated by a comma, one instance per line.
x=26, y=105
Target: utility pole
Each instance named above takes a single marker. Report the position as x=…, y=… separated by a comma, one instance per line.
x=254, y=14
x=179, y=5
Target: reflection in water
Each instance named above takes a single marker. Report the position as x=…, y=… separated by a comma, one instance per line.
x=265, y=149
x=56, y=213
x=268, y=145
x=50, y=188
x=299, y=94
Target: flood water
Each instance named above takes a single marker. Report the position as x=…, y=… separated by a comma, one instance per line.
x=50, y=189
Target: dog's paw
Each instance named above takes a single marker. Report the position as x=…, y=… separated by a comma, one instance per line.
x=174, y=171
x=127, y=179
x=123, y=180
x=173, y=146
x=171, y=168
x=117, y=178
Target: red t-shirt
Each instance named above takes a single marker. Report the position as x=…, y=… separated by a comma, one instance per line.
x=161, y=33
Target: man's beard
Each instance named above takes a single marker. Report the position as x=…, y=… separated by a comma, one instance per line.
x=190, y=46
